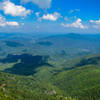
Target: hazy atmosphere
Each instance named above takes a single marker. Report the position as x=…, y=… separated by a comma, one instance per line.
x=49, y=50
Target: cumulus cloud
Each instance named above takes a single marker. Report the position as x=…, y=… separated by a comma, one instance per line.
x=52, y=17
x=12, y=23
x=76, y=24
x=41, y=3
x=4, y=23
x=10, y=8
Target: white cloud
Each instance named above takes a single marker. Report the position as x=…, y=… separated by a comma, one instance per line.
x=74, y=10
x=37, y=14
x=14, y=10
x=53, y=17
x=4, y=23
x=12, y=23
x=76, y=24
x=95, y=23
x=41, y=3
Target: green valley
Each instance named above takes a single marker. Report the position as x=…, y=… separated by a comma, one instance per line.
x=57, y=67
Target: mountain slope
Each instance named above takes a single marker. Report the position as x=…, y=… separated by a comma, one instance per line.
x=82, y=81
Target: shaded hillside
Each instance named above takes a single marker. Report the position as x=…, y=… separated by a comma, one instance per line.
x=95, y=60
x=25, y=64
x=82, y=82
x=58, y=47
x=13, y=44
x=49, y=67
x=45, y=43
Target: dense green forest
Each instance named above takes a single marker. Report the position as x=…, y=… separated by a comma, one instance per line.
x=58, y=67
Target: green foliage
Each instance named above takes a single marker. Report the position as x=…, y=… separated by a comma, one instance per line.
x=28, y=74
x=82, y=82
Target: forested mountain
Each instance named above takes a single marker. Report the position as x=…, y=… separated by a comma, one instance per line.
x=49, y=67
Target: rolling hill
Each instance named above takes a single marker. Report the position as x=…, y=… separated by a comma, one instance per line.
x=49, y=67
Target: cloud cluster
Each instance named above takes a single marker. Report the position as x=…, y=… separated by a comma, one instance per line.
x=10, y=8
x=76, y=24
x=95, y=23
x=3, y=22
x=41, y=3
x=52, y=17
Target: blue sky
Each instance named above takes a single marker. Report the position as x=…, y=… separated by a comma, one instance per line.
x=50, y=16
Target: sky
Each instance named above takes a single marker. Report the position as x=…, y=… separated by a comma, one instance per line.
x=50, y=16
